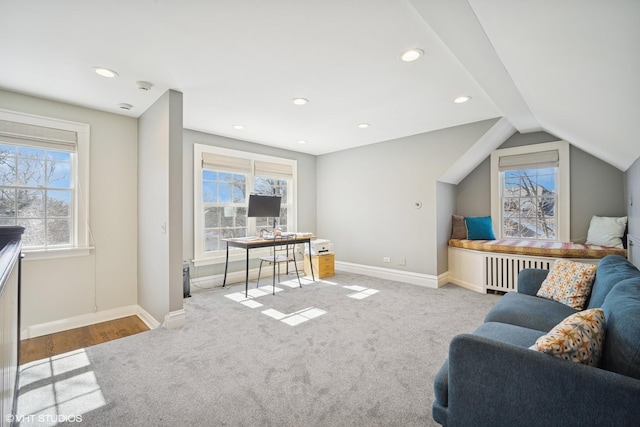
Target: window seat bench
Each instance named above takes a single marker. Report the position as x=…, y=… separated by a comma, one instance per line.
x=493, y=265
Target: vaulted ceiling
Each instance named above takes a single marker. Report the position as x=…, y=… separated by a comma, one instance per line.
x=567, y=67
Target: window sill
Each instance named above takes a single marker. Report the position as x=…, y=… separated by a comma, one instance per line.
x=40, y=254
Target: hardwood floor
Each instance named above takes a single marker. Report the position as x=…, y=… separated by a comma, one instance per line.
x=73, y=339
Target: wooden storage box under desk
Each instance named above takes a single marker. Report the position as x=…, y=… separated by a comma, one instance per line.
x=323, y=265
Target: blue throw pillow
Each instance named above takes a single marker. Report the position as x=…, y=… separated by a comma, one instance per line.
x=479, y=228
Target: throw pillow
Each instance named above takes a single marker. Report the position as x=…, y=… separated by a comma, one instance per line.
x=579, y=338
x=606, y=231
x=569, y=283
x=479, y=228
x=458, y=227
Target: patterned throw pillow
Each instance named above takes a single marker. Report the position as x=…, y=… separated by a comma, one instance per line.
x=578, y=338
x=568, y=282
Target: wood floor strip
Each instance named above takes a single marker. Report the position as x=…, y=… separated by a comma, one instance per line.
x=74, y=339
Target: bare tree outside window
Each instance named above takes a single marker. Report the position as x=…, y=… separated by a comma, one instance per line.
x=36, y=193
x=224, y=201
x=529, y=203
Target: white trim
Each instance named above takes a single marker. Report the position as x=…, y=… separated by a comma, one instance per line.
x=420, y=279
x=563, y=207
x=81, y=160
x=36, y=255
x=86, y=320
x=175, y=319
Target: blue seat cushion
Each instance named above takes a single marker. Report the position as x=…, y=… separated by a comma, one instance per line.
x=611, y=270
x=529, y=311
x=501, y=332
x=622, y=335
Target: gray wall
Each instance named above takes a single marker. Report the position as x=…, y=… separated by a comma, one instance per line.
x=307, y=204
x=160, y=207
x=366, y=197
x=597, y=188
x=445, y=207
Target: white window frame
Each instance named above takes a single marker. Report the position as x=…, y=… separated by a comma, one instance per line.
x=200, y=257
x=563, y=205
x=80, y=245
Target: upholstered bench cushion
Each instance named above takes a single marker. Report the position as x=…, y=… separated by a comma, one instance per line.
x=541, y=248
x=529, y=311
x=510, y=334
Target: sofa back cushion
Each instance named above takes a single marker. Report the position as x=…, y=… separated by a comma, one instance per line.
x=611, y=270
x=622, y=337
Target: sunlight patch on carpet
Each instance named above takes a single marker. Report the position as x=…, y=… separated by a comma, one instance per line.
x=296, y=317
x=74, y=390
x=361, y=292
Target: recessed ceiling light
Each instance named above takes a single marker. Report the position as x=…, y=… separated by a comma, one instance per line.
x=363, y=125
x=239, y=127
x=105, y=72
x=300, y=101
x=125, y=106
x=411, y=54
x=302, y=141
x=461, y=99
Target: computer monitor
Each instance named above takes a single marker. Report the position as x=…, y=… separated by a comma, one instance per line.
x=264, y=206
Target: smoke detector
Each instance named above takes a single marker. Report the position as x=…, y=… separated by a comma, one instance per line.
x=144, y=86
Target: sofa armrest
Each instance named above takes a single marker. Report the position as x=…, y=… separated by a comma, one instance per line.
x=530, y=279
x=497, y=384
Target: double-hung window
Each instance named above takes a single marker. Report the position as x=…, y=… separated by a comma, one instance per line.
x=530, y=191
x=41, y=163
x=223, y=180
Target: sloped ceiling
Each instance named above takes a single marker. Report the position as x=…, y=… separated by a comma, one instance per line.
x=567, y=67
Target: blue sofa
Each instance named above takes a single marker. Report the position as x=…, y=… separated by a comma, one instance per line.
x=492, y=378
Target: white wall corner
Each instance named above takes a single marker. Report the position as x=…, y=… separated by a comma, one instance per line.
x=175, y=319
x=148, y=319
x=443, y=279
x=480, y=150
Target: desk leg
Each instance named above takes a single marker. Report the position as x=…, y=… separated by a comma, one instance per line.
x=246, y=277
x=311, y=263
x=226, y=265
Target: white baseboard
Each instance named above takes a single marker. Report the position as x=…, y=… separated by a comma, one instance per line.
x=466, y=285
x=175, y=319
x=235, y=277
x=148, y=319
x=33, y=331
x=420, y=279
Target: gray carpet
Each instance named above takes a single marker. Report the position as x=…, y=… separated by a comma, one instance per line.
x=362, y=360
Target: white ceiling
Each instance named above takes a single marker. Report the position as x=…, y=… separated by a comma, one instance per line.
x=568, y=67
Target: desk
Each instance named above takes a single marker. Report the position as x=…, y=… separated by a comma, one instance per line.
x=252, y=243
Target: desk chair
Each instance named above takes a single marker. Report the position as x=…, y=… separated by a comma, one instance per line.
x=281, y=244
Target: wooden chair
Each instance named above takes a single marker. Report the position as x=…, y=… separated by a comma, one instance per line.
x=287, y=248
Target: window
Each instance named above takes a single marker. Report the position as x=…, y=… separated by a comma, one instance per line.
x=223, y=181
x=530, y=191
x=42, y=161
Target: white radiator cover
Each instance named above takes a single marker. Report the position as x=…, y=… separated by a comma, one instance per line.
x=483, y=271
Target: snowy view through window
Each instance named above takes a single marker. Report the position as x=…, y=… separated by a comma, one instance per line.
x=529, y=203
x=36, y=193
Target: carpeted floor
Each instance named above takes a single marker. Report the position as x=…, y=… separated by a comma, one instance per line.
x=347, y=351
